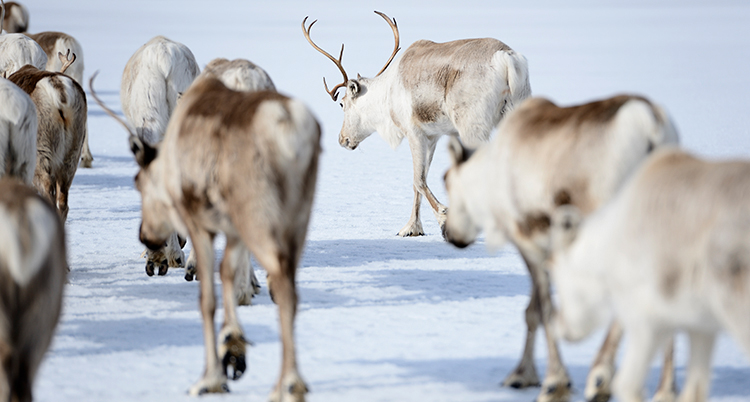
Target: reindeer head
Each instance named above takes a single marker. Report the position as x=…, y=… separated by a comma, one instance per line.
x=156, y=207
x=356, y=105
x=460, y=228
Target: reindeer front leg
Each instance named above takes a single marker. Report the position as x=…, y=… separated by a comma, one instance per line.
x=422, y=150
x=556, y=385
x=214, y=379
x=599, y=380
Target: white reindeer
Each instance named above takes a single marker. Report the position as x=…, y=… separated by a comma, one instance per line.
x=61, y=114
x=153, y=79
x=32, y=276
x=18, y=50
x=245, y=164
x=16, y=19
x=461, y=88
x=544, y=156
x=671, y=252
x=18, y=130
x=239, y=75
x=54, y=44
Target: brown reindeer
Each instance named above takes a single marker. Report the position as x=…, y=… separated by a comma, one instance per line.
x=61, y=112
x=245, y=164
x=32, y=276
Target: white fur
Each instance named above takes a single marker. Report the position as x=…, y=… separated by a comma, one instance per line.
x=470, y=108
x=153, y=79
x=62, y=45
x=239, y=74
x=670, y=252
x=22, y=264
x=508, y=187
x=18, y=50
x=18, y=130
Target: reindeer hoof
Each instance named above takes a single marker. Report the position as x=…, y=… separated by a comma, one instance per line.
x=163, y=269
x=150, y=268
x=86, y=163
x=232, y=352
x=189, y=276
x=522, y=378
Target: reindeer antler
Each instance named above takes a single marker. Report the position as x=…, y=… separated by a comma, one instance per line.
x=104, y=107
x=394, y=27
x=337, y=62
x=66, y=60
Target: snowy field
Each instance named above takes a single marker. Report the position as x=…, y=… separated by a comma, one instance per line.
x=381, y=318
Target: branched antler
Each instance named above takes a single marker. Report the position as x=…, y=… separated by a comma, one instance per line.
x=332, y=92
x=66, y=60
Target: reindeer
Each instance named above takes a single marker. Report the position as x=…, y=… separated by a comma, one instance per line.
x=18, y=130
x=239, y=75
x=54, y=44
x=543, y=156
x=16, y=19
x=154, y=77
x=669, y=253
x=32, y=276
x=461, y=88
x=245, y=164
x=61, y=113
x=18, y=50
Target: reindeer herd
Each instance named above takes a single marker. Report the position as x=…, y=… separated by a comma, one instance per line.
x=598, y=198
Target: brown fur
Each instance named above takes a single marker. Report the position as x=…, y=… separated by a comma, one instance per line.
x=547, y=117
x=47, y=40
x=9, y=25
x=235, y=178
x=539, y=222
x=68, y=119
x=30, y=312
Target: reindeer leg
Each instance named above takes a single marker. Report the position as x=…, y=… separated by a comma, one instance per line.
x=245, y=283
x=642, y=343
x=667, y=389
x=699, y=367
x=525, y=374
x=231, y=338
x=556, y=385
x=291, y=387
x=213, y=379
x=173, y=252
x=422, y=150
x=86, y=157
x=190, y=266
x=599, y=381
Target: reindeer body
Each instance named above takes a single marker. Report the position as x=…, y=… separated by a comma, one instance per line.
x=670, y=252
x=18, y=50
x=54, y=43
x=238, y=75
x=61, y=113
x=244, y=164
x=544, y=156
x=16, y=18
x=18, y=131
x=32, y=277
x=154, y=77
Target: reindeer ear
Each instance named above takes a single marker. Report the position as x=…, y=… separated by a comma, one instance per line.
x=143, y=152
x=353, y=88
x=459, y=154
x=566, y=219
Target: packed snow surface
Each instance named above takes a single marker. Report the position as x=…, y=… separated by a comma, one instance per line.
x=381, y=318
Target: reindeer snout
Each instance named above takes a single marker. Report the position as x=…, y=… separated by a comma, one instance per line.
x=347, y=143
x=152, y=245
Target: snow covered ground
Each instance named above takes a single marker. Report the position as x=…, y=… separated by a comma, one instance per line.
x=381, y=318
